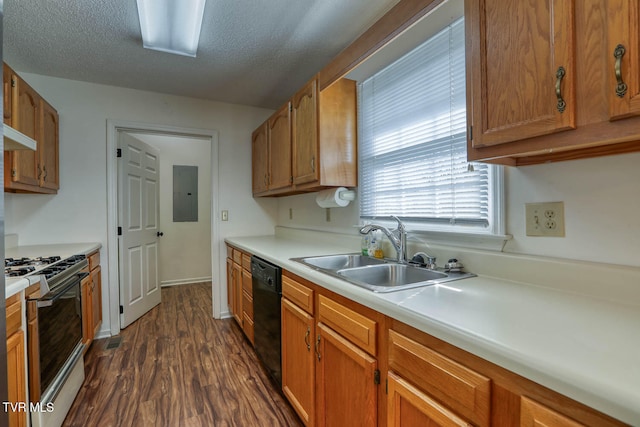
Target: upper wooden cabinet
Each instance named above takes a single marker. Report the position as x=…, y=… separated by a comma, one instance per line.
x=311, y=142
x=6, y=86
x=260, y=156
x=623, y=46
x=541, y=79
x=280, y=148
x=523, y=81
x=27, y=171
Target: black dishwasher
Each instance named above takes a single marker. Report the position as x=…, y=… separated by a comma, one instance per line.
x=267, y=292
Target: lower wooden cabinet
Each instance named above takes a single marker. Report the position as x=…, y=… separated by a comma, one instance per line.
x=16, y=370
x=240, y=289
x=534, y=414
x=428, y=381
x=91, y=294
x=347, y=382
x=298, y=360
x=407, y=406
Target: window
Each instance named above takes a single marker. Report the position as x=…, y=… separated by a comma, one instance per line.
x=413, y=159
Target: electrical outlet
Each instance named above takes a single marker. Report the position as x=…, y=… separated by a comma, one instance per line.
x=545, y=219
x=225, y=215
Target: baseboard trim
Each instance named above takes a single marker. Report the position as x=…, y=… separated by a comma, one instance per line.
x=188, y=281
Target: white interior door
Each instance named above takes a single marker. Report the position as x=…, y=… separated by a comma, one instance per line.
x=138, y=214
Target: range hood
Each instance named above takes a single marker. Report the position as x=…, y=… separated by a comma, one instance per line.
x=14, y=140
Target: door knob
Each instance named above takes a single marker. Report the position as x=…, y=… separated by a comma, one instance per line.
x=159, y=234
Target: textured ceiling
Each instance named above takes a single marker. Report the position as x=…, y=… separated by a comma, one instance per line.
x=251, y=52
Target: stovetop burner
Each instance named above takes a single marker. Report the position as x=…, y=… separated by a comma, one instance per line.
x=48, y=266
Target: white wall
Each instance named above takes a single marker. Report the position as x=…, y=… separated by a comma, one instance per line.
x=601, y=200
x=185, y=248
x=78, y=213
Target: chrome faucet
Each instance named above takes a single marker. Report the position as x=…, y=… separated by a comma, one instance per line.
x=397, y=237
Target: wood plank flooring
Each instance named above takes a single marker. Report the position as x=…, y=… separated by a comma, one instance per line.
x=176, y=366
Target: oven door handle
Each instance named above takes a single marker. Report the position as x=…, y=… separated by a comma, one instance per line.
x=48, y=301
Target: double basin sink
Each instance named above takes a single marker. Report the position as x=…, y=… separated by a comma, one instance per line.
x=379, y=275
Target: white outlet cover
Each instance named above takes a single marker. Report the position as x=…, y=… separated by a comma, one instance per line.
x=545, y=219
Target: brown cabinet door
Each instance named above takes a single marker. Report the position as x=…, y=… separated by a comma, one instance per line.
x=87, y=311
x=96, y=299
x=16, y=378
x=347, y=394
x=298, y=367
x=48, y=147
x=6, y=85
x=533, y=414
x=25, y=164
x=623, y=58
x=230, y=293
x=260, y=159
x=304, y=131
x=280, y=149
x=237, y=293
x=516, y=52
x=409, y=407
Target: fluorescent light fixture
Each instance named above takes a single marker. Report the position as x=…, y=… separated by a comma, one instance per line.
x=171, y=26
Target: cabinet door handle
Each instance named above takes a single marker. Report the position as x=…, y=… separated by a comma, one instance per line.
x=621, y=87
x=44, y=171
x=559, y=76
x=318, y=347
x=39, y=171
x=306, y=338
x=313, y=164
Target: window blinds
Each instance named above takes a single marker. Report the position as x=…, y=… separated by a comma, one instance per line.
x=413, y=156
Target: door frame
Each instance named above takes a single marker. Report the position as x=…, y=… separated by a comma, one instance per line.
x=113, y=129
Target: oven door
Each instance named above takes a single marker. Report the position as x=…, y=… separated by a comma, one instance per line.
x=59, y=329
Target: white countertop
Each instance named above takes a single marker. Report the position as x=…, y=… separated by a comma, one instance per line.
x=13, y=285
x=584, y=347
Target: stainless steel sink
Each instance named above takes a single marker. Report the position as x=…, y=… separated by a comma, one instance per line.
x=379, y=275
x=339, y=262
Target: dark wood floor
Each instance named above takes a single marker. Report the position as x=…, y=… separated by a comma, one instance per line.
x=176, y=366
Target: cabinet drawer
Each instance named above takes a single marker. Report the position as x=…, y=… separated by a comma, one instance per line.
x=355, y=327
x=247, y=305
x=32, y=291
x=237, y=256
x=298, y=294
x=463, y=390
x=94, y=260
x=229, y=252
x=14, y=314
x=246, y=261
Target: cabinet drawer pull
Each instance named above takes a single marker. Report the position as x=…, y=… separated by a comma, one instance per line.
x=306, y=339
x=318, y=347
x=559, y=76
x=621, y=87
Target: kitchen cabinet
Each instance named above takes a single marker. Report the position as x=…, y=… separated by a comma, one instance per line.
x=623, y=46
x=240, y=289
x=260, y=159
x=27, y=171
x=16, y=369
x=329, y=366
x=247, y=297
x=429, y=382
x=324, y=136
x=534, y=414
x=543, y=87
x=7, y=72
x=311, y=142
x=347, y=380
x=298, y=356
x=462, y=392
x=91, y=294
x=409, y=406
x=279, y=137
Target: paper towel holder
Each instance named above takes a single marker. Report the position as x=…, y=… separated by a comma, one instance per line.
x=343, y=194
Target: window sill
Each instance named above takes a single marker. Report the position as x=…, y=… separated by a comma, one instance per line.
x=491, y=242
